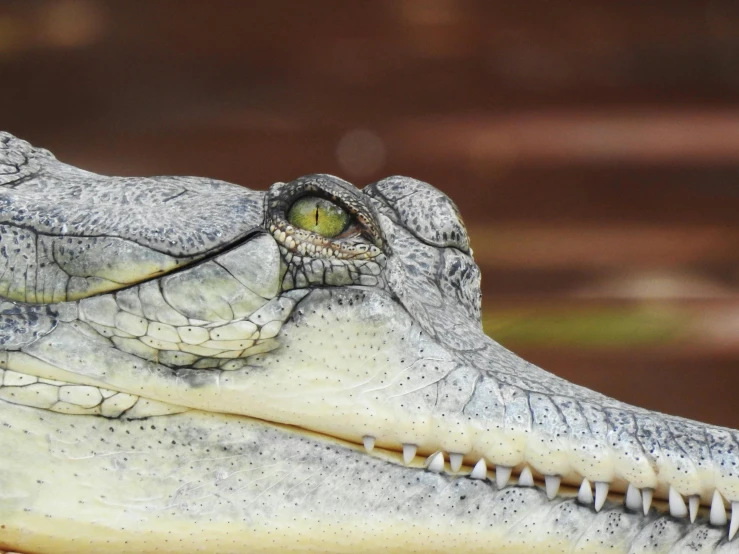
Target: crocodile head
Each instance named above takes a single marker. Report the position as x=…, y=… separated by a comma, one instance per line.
x=189, y=365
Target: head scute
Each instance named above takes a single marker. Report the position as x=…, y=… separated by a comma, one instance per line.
x=423, y=210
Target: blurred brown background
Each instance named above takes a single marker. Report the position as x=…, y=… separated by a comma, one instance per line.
x=592, y=147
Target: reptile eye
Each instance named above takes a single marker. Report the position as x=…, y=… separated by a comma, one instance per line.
x=318, y=215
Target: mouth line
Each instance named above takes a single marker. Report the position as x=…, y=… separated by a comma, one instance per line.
x=453, y=465
x=389, y=461
x=618, y=493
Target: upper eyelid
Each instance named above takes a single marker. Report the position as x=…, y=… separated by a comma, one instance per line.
x=335, y=201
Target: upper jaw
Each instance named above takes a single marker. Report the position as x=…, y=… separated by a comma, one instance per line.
x=519, y=415
x=410, y=393
x=491, y=405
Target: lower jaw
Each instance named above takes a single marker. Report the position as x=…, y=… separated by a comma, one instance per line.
x=224, y=483
x=304, y=536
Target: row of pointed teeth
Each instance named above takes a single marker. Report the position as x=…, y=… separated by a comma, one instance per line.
x=635, y=499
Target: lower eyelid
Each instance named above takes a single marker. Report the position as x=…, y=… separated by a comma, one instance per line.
x=351, y=231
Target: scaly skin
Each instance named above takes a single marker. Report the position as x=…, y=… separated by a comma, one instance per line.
x=182, y=369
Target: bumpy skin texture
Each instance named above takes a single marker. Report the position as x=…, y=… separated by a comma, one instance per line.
x=183, y=368
x=57, y=248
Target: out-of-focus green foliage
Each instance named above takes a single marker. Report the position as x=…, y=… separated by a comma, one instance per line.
x=620, y=327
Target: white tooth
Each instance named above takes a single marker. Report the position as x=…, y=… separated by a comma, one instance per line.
x=502, y=475
x=435, y=462
x=551, y=482
x=455, y=461
x=633, y=499
x=734, y=525
x=646, y=499
x=369, y=443
x=677, y=504
x=526, y=479
x=480, y=471
x=585, y=494
x=409, y=452
x=693, y=503
x=718, y=510
x=601, y=491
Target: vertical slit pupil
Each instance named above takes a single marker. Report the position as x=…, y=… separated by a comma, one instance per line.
x=316, y=216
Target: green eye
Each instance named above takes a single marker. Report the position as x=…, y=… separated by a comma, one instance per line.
x=319, y=216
